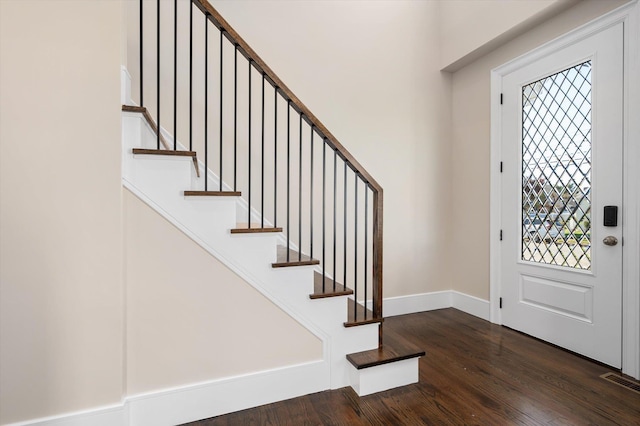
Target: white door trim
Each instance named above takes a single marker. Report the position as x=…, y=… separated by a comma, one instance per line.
x=629, y=14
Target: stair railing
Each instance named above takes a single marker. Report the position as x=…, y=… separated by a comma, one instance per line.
x=330, y=205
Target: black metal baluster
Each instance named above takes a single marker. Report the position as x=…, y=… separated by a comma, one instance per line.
x=262, y=165
x=335, y=199
x=355, y=237
x=235, y=118
x=191, y=77
x=366, y=241
x=141, y=54
x=250, y=126
x=206, y=101
x=311, y=194
x=344, y=240
x=158, y=74
x=288, y=169
x=300, y=188
x=221, y=104
x=324, y=197
x=275, y=157
x=175, y=74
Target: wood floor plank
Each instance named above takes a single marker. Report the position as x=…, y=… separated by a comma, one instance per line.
x=474, y=373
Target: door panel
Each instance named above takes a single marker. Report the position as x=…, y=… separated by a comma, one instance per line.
x=562, y=154
x=563, y=298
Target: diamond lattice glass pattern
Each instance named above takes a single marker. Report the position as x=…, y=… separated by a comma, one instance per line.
x=556, y=169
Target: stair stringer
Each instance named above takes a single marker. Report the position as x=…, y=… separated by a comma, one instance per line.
x=159, y=181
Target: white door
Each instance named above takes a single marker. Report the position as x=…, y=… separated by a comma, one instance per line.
x=561, y=268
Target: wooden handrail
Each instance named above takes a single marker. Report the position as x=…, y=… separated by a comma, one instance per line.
x=300, y=107
x=216, y=19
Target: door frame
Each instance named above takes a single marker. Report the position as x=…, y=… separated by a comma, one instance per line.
x=629, y=15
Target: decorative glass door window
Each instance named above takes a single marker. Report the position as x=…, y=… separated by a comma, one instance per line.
x=556, y=169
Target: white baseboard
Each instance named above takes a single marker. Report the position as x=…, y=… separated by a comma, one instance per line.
x=201, y=401
x=402, y=305
x=413, y=303
x=471, y=305
x=105, y=416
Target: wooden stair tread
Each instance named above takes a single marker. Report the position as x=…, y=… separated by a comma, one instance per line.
x=395, y=347
x=134, y=108
x=192, y=154
x=212, y=193
x=329, y=290
x=253, y=228
x=143, y=151
x=281, y=260
x=359, y=315
x=154, y=128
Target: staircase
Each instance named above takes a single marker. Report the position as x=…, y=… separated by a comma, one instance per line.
x=239, y=164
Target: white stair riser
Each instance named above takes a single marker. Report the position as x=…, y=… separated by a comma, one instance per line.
x=386, y=376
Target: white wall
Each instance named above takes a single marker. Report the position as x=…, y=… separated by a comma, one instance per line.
x=471, y=28
x=471, y=143
x=61, y=306
x=370, y=72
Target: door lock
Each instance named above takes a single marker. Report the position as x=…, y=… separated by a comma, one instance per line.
x=610, y=216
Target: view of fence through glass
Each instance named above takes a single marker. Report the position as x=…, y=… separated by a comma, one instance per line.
x=556, y=169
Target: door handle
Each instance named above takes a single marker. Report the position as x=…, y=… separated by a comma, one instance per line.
x=610, y=240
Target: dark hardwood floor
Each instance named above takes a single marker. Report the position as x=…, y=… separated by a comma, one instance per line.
x=474, y=373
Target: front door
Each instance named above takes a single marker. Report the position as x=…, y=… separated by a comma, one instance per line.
x=561, y=200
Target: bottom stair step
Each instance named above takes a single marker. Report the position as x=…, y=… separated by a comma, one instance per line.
x=394, y=364
x=394, y=348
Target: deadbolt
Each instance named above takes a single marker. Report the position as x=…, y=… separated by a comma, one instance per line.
x=610, y=240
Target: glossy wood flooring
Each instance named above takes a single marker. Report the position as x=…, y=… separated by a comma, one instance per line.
x=474, y=373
